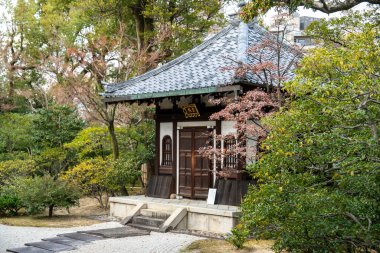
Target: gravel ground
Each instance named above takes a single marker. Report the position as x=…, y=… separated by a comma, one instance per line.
x=12, y=237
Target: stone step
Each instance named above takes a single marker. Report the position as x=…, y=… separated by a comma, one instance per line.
x=147, y=221
x=144, y=227
x=118, y=232
x=50, y=246
x=65, y=240
x=28, y=250
x=161, y=214
x=166, y=207
x=82, y=237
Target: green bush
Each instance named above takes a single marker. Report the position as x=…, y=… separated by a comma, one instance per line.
x=92, y=142
x=16, y=168
x=53, y=161
x=9, y=204
x=39, y=193
x=55, y=126
x=15, y=132
x=238, y=236
x=92, y=177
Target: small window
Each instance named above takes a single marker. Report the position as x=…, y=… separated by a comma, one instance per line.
x=230, y=160
x=302, y=26
x=167, y=151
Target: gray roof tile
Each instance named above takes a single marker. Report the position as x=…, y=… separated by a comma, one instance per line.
x=199, y=68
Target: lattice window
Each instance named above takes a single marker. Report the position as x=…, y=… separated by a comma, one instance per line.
x=230, y=160
x=167, y=151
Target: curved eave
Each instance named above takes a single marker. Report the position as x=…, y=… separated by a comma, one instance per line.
x=174, y=93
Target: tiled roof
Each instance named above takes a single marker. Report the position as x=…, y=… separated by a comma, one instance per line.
x=197, y=71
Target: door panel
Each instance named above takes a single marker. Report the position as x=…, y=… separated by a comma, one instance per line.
x=194, y=170
x=185, y=164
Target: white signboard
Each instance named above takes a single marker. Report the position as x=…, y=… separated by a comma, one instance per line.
x=211, y=196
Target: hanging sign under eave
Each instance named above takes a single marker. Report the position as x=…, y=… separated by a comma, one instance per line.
x=191, y=111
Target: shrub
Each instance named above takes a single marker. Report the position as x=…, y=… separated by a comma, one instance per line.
x=125, y=171
x=54, y=160
x=92, y=176
x=55, y=126
x=92, y=142
x=15, y=132
x=39, y=193
x=238, y=236
x=15, y=168
x=9, y=204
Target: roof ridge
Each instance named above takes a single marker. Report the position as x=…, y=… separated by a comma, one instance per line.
x=168, y=65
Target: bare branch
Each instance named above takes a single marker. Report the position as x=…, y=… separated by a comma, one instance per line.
x=329, y=7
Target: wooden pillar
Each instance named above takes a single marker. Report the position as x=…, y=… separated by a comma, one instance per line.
x=158, y=143
x=174, y=165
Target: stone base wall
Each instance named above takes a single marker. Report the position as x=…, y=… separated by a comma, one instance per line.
x=120, y=210
x=197, y=218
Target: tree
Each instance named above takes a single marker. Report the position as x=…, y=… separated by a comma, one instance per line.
x=16, y=168
x=246, y=113
x=136, y=148
x=141, y=150
x=319, y=177
x=20, y=42
x=91, y=142
x=259, y=7
x=16, y=138
x=39, y=193
x=54, y=161
x=92, y=177
x=54, y=126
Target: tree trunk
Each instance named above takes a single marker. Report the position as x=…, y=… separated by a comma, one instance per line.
x=139, y=23
x=11, y=90
x=115, y=145
x=143, y=24
x=99, y=197
x=141, y=182
x=124, y=191
x=374, y=132
x=51, y=207
x=148, y=29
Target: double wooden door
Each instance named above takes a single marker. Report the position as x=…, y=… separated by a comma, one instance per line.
x=194, y=169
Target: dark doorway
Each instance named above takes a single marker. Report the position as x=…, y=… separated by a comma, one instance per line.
x=194, y=169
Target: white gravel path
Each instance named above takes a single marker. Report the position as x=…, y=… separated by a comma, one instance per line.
x=13, y=237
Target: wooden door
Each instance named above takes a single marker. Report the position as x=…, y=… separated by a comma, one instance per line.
x=194, y=170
